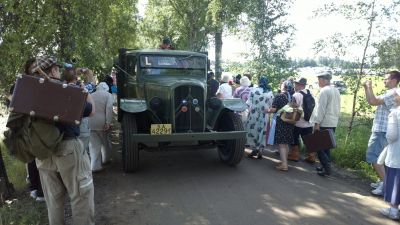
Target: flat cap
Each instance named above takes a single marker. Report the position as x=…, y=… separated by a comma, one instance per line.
x=326, y=74
x=44, y=63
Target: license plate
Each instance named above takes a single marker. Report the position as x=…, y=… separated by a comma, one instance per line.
x=160, y=129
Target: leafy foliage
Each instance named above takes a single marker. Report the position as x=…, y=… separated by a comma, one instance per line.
x=183, y=21
x=271, y=37
x=88, y=32
x=389, y=53
x=371, y=14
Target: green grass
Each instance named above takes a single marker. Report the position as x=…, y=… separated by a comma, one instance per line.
x=23, y=210
x=351, y=154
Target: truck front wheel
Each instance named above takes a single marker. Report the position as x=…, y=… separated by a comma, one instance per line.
x=230, y=151
x=130, y=148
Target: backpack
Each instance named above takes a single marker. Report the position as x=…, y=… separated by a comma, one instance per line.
x=308, y=105
x=27, y=138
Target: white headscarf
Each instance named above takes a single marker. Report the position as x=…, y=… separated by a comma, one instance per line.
x=102, y=86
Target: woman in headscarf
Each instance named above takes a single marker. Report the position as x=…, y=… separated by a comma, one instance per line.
x=283, y=131
x=259, y=101
x=100, y=124
x=243, y=92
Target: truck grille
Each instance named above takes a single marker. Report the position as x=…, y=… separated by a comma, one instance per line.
x=192, y=120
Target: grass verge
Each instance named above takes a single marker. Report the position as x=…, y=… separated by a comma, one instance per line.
x=23, y=210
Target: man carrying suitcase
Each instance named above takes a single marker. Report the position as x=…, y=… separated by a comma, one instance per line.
x=68, y=170
x=326, y=116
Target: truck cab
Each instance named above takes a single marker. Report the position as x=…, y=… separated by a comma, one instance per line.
x=163, y=104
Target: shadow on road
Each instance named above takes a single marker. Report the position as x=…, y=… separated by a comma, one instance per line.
x=195, y=188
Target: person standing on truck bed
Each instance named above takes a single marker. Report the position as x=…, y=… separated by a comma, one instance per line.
x=166, y=44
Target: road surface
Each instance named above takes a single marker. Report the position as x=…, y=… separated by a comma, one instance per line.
x=194, y=188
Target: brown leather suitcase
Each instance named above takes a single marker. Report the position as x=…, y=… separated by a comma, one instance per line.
x=320, y=140
x=48, y=99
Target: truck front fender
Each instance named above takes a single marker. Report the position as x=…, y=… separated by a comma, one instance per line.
x=234, y=104
x=217, y=106
x=133, y=105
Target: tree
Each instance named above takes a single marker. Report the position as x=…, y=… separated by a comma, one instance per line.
x=89, y=32
x=372, y=14
x=183, y=21
x=389, y=53
x=271, y=37
x=223, y=15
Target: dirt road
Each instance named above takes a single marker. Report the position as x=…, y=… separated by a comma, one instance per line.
x=194, y=188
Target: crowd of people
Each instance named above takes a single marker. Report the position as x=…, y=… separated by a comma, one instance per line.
x=264, y=125
x=84, y=148
x=263, y=120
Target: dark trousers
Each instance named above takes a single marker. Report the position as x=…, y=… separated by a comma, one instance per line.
x=300, y=132
x=34, y=178
x=324, y=156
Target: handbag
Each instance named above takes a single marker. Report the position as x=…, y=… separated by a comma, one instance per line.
x=271, y=133
x=291, y=117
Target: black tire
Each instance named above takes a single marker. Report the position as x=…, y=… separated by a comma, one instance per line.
x=130, y=148
x=230, y=151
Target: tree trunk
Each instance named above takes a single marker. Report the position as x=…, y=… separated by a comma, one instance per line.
x=6, y=188
x=218, y=53
x=359, y=77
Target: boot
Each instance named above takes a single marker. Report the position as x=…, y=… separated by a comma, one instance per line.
x=294, y=154
x=310, y=157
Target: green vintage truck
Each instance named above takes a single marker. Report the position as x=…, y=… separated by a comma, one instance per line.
x=163, y=104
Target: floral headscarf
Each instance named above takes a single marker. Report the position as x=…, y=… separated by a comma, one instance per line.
x=263, y=83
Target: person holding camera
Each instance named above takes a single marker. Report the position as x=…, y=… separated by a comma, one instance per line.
x=88, y=77
x=71, y=78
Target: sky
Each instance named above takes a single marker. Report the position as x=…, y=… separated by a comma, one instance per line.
x=308, y=31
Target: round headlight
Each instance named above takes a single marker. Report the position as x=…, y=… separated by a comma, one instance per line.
x=184, y=109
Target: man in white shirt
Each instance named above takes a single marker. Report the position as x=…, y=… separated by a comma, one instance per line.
x=225, y=90
x=326, y=116
x=302, y=127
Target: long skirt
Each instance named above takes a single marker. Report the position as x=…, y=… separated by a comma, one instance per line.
x=392, y=186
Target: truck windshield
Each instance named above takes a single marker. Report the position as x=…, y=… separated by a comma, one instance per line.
x=173, y=65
